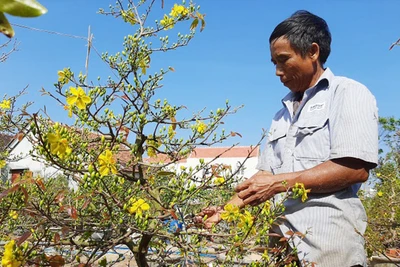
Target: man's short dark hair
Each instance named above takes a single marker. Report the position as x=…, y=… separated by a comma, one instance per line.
x=302, y=29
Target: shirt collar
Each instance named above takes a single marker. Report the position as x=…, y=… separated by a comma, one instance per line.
x=327, y=76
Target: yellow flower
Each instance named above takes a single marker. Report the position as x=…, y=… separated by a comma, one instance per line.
x=78, y=97
x=61, y=77
x=171, y=132
x=167, y=22
x=178, y=10
x=64, y=75
x=13, y=214
x=380, y=193
x=231, y=213
x=2, y=163
x=138, y=207
x=219, y=180
x=5, y=104
x=144, y=64
x=300, y=191
x=266, y=207
x=201, y=127
x=107, y=163
x=246, y=222
x=58, y=145
x=152, y=145
x=10, y=256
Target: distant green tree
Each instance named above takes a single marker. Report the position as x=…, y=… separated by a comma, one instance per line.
x=383, y=208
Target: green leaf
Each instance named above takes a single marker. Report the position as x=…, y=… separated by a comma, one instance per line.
x=194, y=24
x=203, y=25
x=5, y=26
x=22, y=8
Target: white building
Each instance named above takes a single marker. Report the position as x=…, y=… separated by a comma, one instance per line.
x=244, y=158
x=234, y=157
x=21, y=160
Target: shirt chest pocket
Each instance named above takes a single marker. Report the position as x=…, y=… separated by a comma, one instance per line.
x=312, y=138
x=275, y=147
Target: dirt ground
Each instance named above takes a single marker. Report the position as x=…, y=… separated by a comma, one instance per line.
x=122, y=257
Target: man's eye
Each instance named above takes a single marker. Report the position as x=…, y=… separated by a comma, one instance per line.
x=282, y=60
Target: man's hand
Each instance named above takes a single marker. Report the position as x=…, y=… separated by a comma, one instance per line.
x=213, y=216
x=258, y=189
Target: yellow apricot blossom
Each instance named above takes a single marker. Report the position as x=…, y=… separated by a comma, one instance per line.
x=58, y=144
x=152, y=145
x=246, y=222
x=144, y=64
x=78, y=98
x=107, y=163
x=201, y=127
x=5, y=104
x=2, y=163
x=300, y=191
x=178, y=10
x=380, y=193
x=167, y=22
x=219, y=180
x=138, y=207
x=10, y=256
x=230, y=213
x=62, y=77
x=13, y=214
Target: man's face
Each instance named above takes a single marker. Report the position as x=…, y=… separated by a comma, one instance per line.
x=295, y=72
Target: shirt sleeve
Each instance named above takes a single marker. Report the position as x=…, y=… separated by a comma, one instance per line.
x=354, y=123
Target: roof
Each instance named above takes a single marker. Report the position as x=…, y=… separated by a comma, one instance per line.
x=212, y=152
x=225, y=152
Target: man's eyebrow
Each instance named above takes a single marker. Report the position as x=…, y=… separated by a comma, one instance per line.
x=279, y=56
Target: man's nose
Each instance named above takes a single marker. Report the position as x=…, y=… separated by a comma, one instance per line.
x=278, y=70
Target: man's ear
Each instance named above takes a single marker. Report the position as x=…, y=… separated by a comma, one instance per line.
x=314, y=52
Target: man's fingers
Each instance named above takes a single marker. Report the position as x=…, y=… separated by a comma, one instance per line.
x=244, y=194
x=242, y=186
x=253, y=201
x=210, y=211
x=207, y=212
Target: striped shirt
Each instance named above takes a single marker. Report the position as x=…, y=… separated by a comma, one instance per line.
x=337, y=118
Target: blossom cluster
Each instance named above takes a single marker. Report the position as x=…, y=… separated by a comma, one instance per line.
x=11, y=257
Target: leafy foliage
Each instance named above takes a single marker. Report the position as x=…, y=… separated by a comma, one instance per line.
x=383, y=208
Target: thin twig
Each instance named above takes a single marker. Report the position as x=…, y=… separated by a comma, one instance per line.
x=51, y=32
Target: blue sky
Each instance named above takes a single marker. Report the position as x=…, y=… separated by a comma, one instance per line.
x=229, y=60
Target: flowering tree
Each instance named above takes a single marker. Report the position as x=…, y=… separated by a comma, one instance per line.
x=120, y=152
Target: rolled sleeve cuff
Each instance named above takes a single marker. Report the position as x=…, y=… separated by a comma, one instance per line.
x=367, y=156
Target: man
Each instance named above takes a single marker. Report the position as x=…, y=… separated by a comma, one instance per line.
x=326, y=137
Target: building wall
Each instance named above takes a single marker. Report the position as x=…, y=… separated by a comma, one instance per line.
x=26, y=161
x=249, y=170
